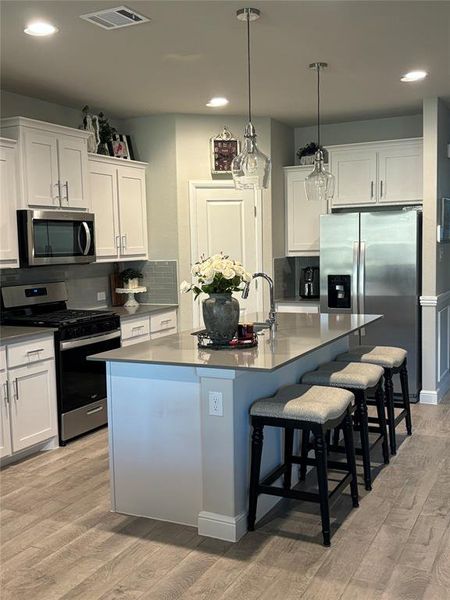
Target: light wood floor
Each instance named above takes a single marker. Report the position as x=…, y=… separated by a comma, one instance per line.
x=59, y=539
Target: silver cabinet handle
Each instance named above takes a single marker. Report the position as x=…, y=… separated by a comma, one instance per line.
x=371, y=189
x=118, y=242
x=57, y=185
x=6, y=392
x=34, y=351
x=124, y=242
x=381, y=188
x=67, y=193
x=15, y=389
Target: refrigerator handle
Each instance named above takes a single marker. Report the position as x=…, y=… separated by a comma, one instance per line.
x=362, y=280
x=355, y=307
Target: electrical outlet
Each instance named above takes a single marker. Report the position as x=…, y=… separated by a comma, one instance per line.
x=101, y=296
x=215, y=404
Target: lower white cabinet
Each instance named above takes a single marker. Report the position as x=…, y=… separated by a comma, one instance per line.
x=118, y=194
x=302, y=215
x=148, y=327
x=28, y=397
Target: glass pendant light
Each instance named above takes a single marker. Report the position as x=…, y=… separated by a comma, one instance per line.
x=250, y=168
x=319, y=184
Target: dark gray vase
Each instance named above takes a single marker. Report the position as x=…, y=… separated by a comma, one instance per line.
x=221, y=317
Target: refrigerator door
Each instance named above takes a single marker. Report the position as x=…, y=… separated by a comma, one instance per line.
x=339, y=255
x=389, y=284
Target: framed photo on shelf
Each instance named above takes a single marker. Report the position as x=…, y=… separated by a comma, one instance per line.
x=224, y=147
x=120, y=147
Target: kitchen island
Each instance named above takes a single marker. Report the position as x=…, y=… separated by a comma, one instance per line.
x=179, y=435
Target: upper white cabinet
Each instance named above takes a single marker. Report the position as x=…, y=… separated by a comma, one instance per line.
x=53, y=164
x=377, y=173
x=119, y=203
x=9, y=255
x=302, y=215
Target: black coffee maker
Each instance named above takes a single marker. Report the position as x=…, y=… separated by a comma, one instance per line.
x=309, y=282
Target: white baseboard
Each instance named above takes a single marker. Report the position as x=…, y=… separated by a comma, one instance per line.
x=222, y=527
x=429, y=397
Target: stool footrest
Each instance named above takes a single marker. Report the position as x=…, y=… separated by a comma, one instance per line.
x=300, y=494
x=400, y=417
x=274, y=475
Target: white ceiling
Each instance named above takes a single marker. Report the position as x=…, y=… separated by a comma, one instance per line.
x=192, y=50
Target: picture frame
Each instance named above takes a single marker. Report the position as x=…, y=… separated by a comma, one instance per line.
x=445, y=220
x=121, y=147
x=223, y=149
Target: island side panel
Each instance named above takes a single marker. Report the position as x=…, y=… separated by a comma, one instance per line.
x=226, y=441
x=155, y=441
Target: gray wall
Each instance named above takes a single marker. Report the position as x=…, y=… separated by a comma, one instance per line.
x=352, y=132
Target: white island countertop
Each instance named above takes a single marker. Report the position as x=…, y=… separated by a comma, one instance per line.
x=297, y=335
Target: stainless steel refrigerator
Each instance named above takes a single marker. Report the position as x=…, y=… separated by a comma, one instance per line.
x=371, y=263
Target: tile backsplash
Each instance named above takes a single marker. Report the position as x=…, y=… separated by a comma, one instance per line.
x=84, y=282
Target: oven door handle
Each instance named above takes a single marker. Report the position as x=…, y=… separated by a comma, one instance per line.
x=89, y=340
x=87, y=232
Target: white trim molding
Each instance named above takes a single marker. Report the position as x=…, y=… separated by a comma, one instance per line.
x=222, y=527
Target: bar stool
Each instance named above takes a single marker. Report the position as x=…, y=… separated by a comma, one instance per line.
x=317, y=409
x=393, y=361
x=361, y=380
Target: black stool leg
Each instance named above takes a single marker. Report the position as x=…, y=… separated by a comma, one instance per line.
x=405, y=394
x=382, y=422
x=389, y=395
x=336, y=437
x=364, y=433
x=351, y=462
x=304, y=453
x=257, y=446
x=320, y=448
x=288, y=449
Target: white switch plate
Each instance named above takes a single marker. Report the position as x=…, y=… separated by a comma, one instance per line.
x=215, y=404
x=101, y=296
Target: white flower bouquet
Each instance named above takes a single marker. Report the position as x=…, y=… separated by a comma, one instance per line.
x=216, y=274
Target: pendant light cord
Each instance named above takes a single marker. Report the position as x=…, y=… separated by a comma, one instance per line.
x=248, y=68
x=318, y=105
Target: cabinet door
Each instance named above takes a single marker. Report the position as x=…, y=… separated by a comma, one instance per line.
x=132, y=212
x=355, y=170
x=103, y=189
x=73, y=172
x=33, y=404
x=5, y=429
x=400, y=169
x=9, y=256
x=40, y=169
x=303, y=215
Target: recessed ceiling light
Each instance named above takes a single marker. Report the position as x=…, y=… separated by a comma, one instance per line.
x=217, y=102
x=40, y=29
x=414, y=76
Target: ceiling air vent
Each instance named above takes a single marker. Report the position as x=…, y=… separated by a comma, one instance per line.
x=114, y=18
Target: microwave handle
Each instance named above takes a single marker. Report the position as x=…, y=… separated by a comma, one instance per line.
x=87, y=231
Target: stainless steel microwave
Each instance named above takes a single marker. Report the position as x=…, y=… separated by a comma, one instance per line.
x=51, y=237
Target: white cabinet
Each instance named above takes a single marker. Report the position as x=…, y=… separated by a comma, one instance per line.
x=148, y=327
x=302, y=215
x=33, y=403
x=119, y=203
x=28, y=395
x=377, y=173
x=9, y=253
x=53, y=164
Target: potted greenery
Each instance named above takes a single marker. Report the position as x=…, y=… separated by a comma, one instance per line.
x=218, y=276
x=130, y=278
x=106, y=132
x=306, y=153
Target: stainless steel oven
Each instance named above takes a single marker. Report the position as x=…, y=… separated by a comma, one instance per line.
x=51, y=237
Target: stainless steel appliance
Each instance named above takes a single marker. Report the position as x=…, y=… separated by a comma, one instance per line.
x=81, y=384
x=309, y=282
x=371, y=263
x=52, y=237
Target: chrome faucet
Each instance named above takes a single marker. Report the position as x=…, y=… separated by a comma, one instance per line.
x=271, y=321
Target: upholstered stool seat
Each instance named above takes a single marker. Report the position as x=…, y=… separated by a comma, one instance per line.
x=393, y=360
x=360, y=379
x=353, y=374
x=314, y=404
x=317, y=410
x=386, y=356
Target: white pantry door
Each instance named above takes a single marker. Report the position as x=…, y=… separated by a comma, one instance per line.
x=227, y=220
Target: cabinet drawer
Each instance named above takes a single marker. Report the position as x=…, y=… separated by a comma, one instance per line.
x=136, y=340
x=162, y=321
x=2, y=358
x=135, y=328
x=26, y=353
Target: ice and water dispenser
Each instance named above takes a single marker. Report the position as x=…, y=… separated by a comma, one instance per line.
x=339, y=291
